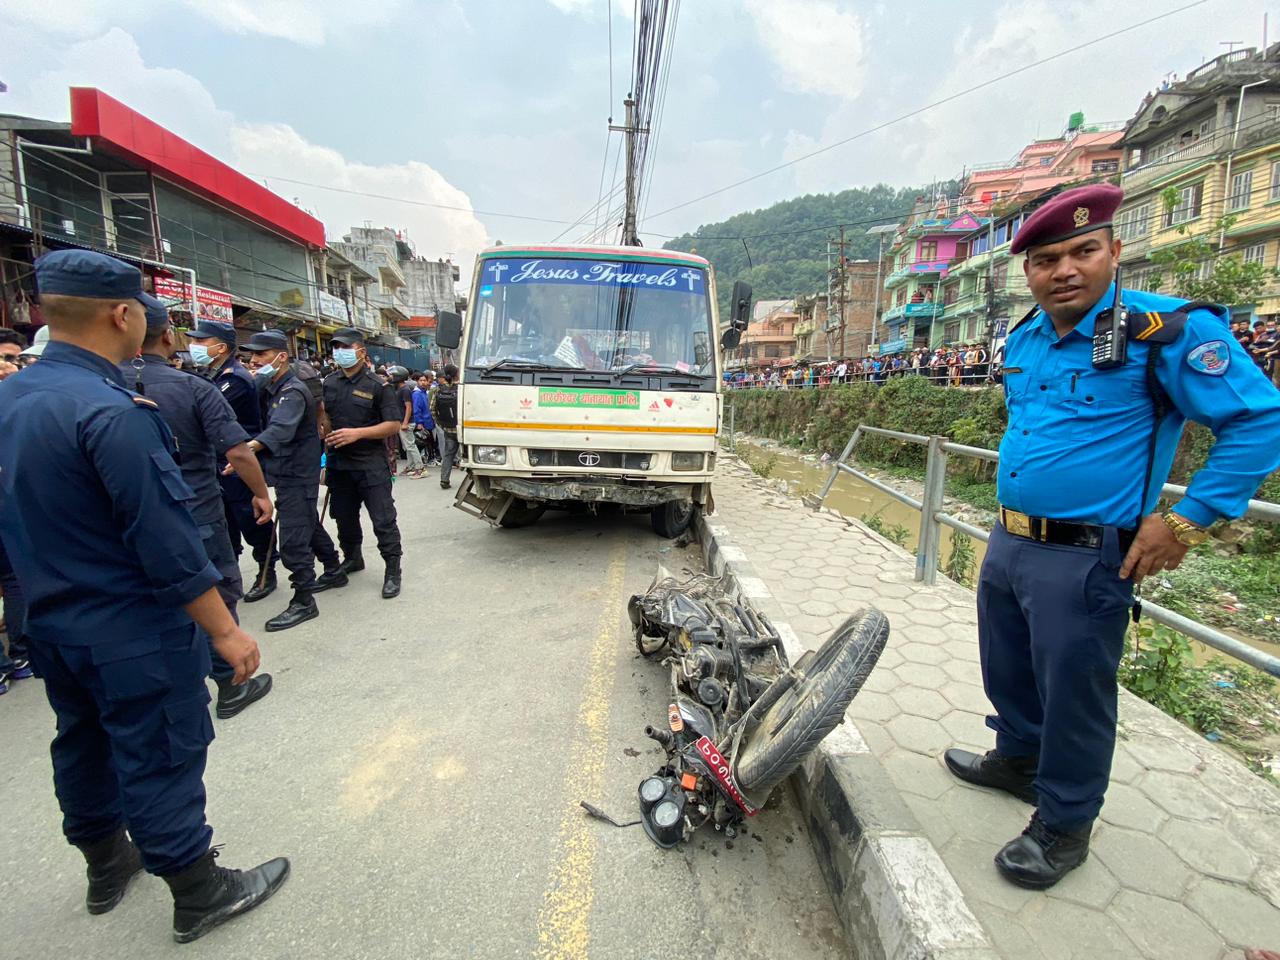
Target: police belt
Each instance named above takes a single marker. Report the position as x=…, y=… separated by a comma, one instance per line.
x=1062, y=532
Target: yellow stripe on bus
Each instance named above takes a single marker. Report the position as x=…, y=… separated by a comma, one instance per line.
x=583, y=427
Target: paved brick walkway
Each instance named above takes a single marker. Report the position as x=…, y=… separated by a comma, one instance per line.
x=1185, y=862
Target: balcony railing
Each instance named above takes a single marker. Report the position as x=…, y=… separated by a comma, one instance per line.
x=1163, y=166
x=923, y=309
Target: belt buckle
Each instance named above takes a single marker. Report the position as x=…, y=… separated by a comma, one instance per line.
x=1019, y=524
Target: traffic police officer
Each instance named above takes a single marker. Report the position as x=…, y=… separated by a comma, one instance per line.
x=363, y=412
x=1087, y=450
x=213, y=349
x=94, y=516
x=290, y=442
x=205, y=429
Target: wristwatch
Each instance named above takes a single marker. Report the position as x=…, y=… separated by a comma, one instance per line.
x=1188, y=533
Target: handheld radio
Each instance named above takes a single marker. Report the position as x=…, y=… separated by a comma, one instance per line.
x=1111, y=334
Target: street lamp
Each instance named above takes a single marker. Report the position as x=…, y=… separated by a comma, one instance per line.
x=879, y=233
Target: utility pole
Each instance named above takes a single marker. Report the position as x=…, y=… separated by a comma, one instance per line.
x=843, y=265
x=836, y=278
x=629, y=236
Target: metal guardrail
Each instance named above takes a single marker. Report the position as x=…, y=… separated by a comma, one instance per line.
x=933, y=518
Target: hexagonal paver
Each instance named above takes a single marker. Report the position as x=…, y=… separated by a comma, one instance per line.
x=870, y=705
x=1006, y=931
x=926, y=600
x=1240, y=916
x=918, y=734
x=990, y=816
x=969, y=861
x=818, y=608
x=892, y=589
x=914, y=633
x=965, y=696
x=961, y=669
x=1181, y=796
x=876, y=737
x=1129, y=807
x=1125, y=769
x=1068, y=931
x=1140, y=862
x=1160, y=754
x=881, y=681
x=920, y=775
x=1091, y=885
x=968, y=730
x=926, y=618
x=921, y=703
x=828, y=596
x=1210, y=849
x=922, y=653
x=1163, y=928
x=889, y=658
x=1267, y=881
x=926, y=675
x=889, y=604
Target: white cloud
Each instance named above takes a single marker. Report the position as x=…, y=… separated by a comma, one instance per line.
x=308, y=22
x=817, y=46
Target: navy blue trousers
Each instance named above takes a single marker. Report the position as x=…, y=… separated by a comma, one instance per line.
x=217, y=544
x=133, y=736
x=1051, y=624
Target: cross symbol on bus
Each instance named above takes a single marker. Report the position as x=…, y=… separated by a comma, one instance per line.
x=689, y=277
x=497, y=269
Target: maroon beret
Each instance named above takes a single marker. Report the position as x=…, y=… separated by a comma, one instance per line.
x=1067, y=215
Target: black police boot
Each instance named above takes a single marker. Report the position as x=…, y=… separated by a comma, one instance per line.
x=330, y=579
x=391, y=582
x=352, y=562
x=258, y=592
x=1042, y=855
x=300, y=609
x=205, y=894
x=113, y=863
x=233, y=697
x=1013, y=775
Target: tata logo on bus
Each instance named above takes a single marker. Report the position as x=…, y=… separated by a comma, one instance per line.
x=597, y=399
x=622, y=274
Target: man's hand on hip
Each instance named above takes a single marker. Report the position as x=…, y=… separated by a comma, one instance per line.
x=1155, y=548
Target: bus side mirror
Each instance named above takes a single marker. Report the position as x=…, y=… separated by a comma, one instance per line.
x=730, y=338
x=448, y=330
x=740, y=305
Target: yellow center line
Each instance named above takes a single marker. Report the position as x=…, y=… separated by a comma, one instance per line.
x=564, y=931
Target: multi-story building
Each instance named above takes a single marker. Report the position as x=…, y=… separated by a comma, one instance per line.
x=848, y=324
x=1082, y=151
x=213, y=243
x=984, y=292
x=1199, y=150
x=919, y=260
x=770, y=338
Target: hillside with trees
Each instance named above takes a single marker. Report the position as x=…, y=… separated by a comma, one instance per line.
x=785, y=250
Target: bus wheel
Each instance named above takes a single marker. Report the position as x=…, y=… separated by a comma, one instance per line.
x=522, y=513
x=672, y=518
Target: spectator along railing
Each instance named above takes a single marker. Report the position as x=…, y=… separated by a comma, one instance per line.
x=959, y=375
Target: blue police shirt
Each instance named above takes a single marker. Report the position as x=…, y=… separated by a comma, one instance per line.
x=1077, y=441
x=93, y=509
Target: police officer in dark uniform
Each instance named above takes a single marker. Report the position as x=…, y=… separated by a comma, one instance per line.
x=213, y=349
x=205, y=429
x=363, y=412
x=94, y=517
x=290, y=448
x=1095, y=411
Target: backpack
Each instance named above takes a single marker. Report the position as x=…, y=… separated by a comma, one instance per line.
x=310, y=378
x=447, y=406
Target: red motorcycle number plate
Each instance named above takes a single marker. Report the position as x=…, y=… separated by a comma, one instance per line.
x=720, y=770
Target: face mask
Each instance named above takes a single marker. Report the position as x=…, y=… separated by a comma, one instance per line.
x=200, y=355
x=266, y=372
x=346, y=357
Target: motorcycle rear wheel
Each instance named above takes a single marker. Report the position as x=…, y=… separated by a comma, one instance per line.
x=794, y=726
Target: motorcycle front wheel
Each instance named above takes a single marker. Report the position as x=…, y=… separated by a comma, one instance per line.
x=794, y=726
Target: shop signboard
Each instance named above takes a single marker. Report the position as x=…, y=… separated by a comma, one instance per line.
x=210, y=304
x=334, y=308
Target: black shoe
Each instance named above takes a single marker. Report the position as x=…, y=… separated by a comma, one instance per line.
x=330, y=579
x=354, y=563
x=391, y=582
x=446, y=485
x=300, y=609
x=1042, y=855
x=205, y=894
x=258, y=592
x=232, y=697
x=1013, y=775
x=113, y=863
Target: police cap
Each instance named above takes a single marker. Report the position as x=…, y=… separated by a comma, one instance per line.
x=349, y=337
x=157, y=317
x=267, y=340
x=1068, y=215
x=38, y=343
x=213, y=330
x=84, y=273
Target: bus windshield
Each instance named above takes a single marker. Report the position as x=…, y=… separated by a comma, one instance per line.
x=602, y=314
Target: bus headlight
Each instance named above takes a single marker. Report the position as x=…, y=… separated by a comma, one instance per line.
x=686, y=461
x=493, y=456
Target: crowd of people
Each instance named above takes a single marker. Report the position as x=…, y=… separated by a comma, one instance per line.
x=1262, y=343
x=962, y=364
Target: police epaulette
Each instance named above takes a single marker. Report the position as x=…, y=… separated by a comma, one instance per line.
x=144, y=402
x=1157, y=326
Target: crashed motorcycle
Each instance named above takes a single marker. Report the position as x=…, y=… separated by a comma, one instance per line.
x=742, y=718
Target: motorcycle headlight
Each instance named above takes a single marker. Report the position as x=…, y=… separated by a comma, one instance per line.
x=651, y=791
x=686, y=461
x=666, y=815
x=494, y=456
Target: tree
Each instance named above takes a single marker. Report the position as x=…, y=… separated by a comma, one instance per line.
x=1196, y=270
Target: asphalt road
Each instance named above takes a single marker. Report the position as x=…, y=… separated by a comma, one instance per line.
x=421, y=761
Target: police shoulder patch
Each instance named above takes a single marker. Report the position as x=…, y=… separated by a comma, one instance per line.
x=1212, y=358
x=225, y=387
x=145, y=402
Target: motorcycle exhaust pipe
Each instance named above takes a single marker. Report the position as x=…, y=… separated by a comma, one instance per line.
x=663, y=737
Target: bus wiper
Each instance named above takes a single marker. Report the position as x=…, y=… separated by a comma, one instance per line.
x=516, y=363
x=658, y=368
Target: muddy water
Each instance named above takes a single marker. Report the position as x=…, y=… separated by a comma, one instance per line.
x=850, y=496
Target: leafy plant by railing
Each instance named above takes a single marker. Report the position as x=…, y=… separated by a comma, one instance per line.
x=962, y=560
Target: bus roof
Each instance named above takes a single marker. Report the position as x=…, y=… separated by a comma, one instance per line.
x=575, y=251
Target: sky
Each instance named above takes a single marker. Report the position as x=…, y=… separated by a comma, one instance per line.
x=497, y=110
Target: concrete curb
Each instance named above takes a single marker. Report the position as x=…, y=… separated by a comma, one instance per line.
x=892, y=891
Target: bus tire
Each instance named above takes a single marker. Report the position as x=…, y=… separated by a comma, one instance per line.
x=522, y=513
x=672, y=518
